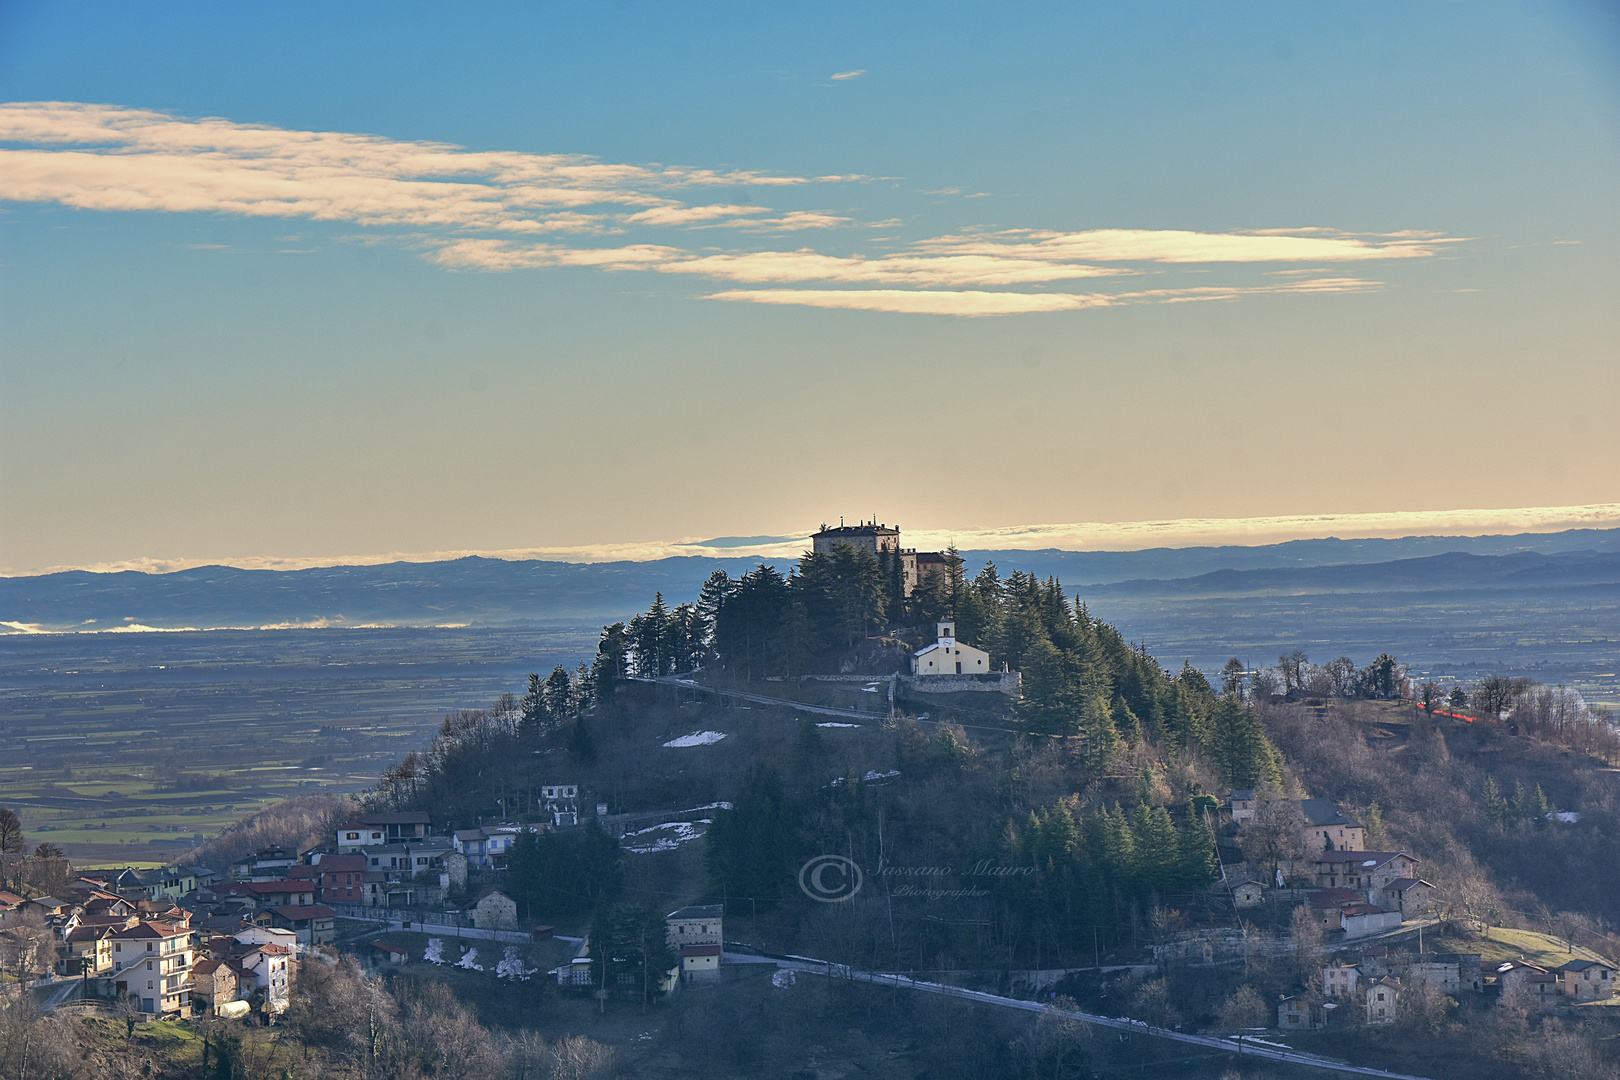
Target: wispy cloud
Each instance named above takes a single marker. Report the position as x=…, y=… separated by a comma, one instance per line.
x=975, y=303
x=503, y=211
x=844, y=76
x=1072, y=536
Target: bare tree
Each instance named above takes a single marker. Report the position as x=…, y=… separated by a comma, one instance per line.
x=12, y=845
x=1275, y=837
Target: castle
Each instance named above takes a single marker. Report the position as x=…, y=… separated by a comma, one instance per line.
x=915, y=566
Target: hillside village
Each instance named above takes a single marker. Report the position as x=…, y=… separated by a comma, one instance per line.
x=649, y=827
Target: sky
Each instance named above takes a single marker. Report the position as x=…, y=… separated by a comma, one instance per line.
x=301, y=282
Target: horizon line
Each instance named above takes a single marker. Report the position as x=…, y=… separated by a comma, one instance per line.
x=1079, y=536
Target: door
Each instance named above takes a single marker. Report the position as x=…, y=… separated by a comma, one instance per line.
x=959, y=667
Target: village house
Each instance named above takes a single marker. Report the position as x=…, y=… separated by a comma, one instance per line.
x=87, y=950
x=487, y=846
x=1339, y=979
x=1243, y=805
x=341, y=879
x=1364, y=871
x=697, y=933
x=1450, y=973
x=1383, y=1000
x=1248, y=894
x=268, y=865
x=1360, y=920
x=264, y=894
x=494, y=910
x=947, y=656
x=386, y=953
x=213, y=983
x=1329, y=905
x=383, y=828
x=1374, y=961
x=1535, y=983
x=313, y=923
x=1586, y=980
x=267, y=969
x=1328, y=830
x=1294, y=1013
x=152, y=963
x=1412, y=897
x=561, y=801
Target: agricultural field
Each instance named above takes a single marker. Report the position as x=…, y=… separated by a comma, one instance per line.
x=129, y=748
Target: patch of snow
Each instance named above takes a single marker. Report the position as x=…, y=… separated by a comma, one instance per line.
x=697, y=738
x=1568, y=817
x=434, y=953
x=679, y=832
x=869, y=689
x=469, y=962
x=835, y=724
x=511, y=966
x=872, y=776
x=782, y=978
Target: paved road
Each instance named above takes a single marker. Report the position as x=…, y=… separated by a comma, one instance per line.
x=1248, y=1048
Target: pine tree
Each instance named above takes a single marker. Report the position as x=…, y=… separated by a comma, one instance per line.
x=1496, y=806
x=1102, y=741
x=1158, y=850
x=1198, y=866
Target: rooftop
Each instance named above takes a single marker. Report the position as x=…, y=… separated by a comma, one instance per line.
x=698, y=911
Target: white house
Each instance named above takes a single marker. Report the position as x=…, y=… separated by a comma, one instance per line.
x=947, y=656
x=562, y=801
x=1339, y=979
x=697, y=933
x=1359, y=920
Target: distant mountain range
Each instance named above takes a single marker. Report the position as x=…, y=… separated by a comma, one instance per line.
x=497, y=593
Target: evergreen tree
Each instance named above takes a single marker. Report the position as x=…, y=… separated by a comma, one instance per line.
x=558, y=694
x=533, y=711
x=1102, y=740
x=1198, y=865
x=1157, y=848
x=1497, y=809
x=750, y=849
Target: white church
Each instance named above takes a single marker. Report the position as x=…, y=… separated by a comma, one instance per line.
x=948, y=656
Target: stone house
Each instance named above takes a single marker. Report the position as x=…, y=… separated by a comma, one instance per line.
x=1328, y=830
x=494, y=910
x=1294, y=1013
x=1363, y=871
x=1243, y=805
x=1339, y=979
x=1537, y=984
x=1586, y=980
x=1248, y=894
x=1383, y=999
x=1412, y=897
x=1450, y=973
x=213, y=983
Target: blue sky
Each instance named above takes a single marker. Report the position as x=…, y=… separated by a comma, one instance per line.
x=597, y=274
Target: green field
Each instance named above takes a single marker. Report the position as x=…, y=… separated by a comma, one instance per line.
x=133, y=748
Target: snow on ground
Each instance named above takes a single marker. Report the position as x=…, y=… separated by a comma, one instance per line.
x=434, y=953
x=872, y=776
x=511, y=966
x=697, y=738
x=783, y=978
x=835, y=724
x=469, y=962
x=672, y=834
